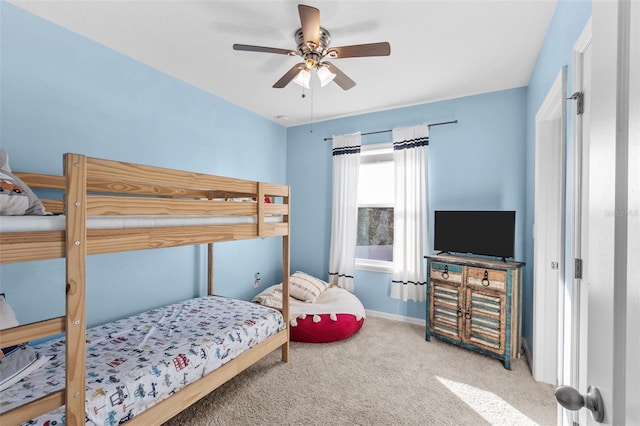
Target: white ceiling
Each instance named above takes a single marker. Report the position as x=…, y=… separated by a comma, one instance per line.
x=439, y=49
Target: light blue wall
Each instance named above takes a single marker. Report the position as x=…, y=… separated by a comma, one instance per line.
x=64, y=93
x=478, y=163
x=568, y=22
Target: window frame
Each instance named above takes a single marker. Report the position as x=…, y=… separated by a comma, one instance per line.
x=372, y=265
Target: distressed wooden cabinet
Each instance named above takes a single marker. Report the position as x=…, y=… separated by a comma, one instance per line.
x=475, y=303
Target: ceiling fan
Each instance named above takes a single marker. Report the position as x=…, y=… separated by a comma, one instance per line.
x=313, y=46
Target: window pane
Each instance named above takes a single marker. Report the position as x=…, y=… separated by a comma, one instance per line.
x=375, y=185
x=375, y=233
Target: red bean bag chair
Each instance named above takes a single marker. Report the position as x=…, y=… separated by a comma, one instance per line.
x=336, y=314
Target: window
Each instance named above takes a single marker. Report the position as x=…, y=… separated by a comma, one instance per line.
x=374, y=245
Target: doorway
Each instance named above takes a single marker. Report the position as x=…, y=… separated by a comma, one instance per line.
x=548, y=239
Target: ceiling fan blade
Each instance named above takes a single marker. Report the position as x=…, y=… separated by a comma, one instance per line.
x=250, y=48
x=289, y=75
x=360, y=50
x=341, y=78
x=310, y=20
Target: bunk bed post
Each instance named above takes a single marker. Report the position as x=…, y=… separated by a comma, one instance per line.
x=260, y=213
x=210, y=261
x=285, y=279
x=76, y=249
x=210, y=269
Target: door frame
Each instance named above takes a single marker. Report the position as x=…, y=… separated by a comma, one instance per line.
x=575, y=305
x=632, y=386
x=547, y=296
x=632, y=373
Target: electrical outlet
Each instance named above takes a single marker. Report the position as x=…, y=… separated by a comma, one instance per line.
x=256, y=280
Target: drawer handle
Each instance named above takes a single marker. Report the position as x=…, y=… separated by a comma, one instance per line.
x=485, y=279
x=445, y=273
x=459, y=311
x=467, y=315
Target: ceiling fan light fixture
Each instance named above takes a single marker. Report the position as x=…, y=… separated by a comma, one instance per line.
x=303, y=78
x=325, y=76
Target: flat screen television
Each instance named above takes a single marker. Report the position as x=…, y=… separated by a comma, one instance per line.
x=481, y=232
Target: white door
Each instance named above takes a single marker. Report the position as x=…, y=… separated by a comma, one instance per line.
x=548, y=240
x=611, y=206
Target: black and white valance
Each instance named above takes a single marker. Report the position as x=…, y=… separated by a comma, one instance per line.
x=346, y=150
x=411, y=143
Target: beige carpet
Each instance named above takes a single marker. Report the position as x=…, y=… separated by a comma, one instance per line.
x=387, y=374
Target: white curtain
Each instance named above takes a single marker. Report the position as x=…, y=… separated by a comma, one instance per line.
x=344, y=217
x=410, y=153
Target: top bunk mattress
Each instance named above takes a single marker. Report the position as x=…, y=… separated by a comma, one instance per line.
x=135, y=362
x=57, y=222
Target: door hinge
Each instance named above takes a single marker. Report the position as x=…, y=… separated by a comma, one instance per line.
x=579, y=96
x=577, y=270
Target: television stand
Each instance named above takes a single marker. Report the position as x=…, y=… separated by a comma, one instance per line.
x=476, y=304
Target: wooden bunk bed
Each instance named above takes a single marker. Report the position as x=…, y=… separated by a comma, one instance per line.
x=105, y=188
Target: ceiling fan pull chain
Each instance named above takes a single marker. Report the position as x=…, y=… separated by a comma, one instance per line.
x=311, y=90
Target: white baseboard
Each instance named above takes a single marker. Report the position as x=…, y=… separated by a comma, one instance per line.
x=395, y=317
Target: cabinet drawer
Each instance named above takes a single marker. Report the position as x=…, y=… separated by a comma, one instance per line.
x=487, y=278
x=445, y=272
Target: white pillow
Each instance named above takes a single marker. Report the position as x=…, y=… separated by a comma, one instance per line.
x=305, y=287
x=16, y=198
x=7, y=316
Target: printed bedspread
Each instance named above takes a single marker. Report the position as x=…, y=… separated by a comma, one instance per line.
x=135, y=362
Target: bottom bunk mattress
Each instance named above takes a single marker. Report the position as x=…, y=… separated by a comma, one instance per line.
x=136, y=362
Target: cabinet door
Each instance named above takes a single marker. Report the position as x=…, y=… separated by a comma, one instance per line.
x=446, y=310
x=485, y=320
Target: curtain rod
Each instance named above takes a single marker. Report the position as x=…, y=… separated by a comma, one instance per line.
x=387, y=131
